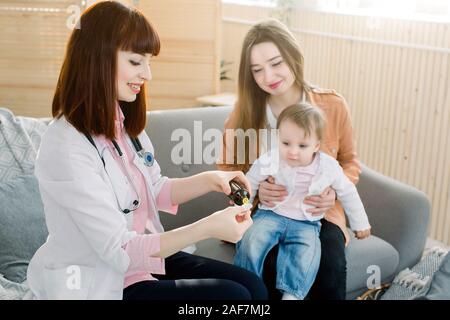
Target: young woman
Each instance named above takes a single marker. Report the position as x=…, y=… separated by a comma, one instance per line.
x=271, y=78
x=101, y=186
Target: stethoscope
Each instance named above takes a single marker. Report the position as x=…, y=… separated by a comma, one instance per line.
x=145, y=155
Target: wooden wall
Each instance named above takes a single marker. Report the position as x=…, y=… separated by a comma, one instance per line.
x=395, y=75
x=33, y=37
x=189, y=63
x=32, y=45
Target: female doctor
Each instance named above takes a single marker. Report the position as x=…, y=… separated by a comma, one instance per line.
x=101, y=186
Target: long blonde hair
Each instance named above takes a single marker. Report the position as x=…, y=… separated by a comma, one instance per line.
x=251, y=100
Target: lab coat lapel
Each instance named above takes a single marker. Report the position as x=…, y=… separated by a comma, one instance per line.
x=117, y=180
x=156, y=226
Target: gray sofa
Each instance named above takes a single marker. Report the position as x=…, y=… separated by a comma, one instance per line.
x=398, y=213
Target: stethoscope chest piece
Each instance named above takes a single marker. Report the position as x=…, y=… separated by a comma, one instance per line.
x=148, y=158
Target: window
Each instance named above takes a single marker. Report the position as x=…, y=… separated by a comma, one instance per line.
x=432, y=10
x=428, y=10
x=261, y=3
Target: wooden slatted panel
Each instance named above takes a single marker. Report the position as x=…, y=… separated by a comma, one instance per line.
x=33, y=43
x=33, y=36
x=395, y=74
x=188, y=65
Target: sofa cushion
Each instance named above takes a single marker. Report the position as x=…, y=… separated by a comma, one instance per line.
x=22, y=227
x=365, y=256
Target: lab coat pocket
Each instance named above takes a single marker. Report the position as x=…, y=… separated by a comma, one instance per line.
x=68, y=283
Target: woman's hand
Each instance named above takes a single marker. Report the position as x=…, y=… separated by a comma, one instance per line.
x=269, y=192
x=185, y=189
x=362, y=234
x=229, y=224
x=220, y=180
x=321, y=203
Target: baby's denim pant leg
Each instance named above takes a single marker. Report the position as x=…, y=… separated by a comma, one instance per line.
x=298, y=257
x=257, y=241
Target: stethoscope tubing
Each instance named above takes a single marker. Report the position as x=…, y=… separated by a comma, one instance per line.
x=148, y=161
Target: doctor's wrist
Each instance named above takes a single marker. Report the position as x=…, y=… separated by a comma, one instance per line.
x=209, y=180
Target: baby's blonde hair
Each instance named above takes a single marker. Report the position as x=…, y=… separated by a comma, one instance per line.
x=306, y=116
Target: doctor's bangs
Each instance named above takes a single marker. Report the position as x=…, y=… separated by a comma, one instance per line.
x=139, y=36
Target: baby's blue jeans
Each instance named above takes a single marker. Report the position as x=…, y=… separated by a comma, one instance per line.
x=298, y=255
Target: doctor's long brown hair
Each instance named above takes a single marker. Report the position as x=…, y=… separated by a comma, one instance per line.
x=86, y=92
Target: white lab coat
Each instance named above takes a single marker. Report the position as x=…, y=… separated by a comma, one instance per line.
x=83, y=256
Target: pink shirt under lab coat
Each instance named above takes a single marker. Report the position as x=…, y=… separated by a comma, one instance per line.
x=139, y=249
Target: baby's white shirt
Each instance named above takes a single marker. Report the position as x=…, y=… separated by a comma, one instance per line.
x=323, y=172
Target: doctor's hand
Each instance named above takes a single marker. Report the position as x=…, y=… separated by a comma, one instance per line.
x=230, y=223
x=220, y=180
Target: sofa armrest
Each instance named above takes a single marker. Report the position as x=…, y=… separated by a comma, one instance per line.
x=398, y=214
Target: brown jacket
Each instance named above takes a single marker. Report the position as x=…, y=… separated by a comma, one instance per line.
x=338, y=142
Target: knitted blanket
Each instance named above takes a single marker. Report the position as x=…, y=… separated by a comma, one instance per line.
x=19, y=141
x=414, y=283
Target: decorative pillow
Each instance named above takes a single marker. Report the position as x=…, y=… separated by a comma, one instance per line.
x=22, y=228
x=440, y=285
x=413, y=283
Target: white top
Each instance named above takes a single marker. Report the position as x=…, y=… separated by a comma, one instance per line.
x=323, y=172
x=271, y=119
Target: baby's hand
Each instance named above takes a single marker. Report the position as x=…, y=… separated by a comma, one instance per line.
x=362, y=234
